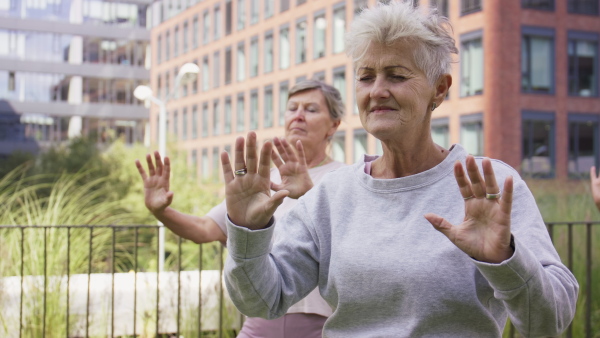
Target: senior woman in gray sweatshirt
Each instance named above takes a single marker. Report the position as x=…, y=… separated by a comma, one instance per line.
x=406, y=244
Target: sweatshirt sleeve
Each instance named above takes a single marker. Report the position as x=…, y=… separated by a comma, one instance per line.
x=265, y=279
x=538, y=291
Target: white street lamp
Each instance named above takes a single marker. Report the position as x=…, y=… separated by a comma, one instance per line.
x=187, y=73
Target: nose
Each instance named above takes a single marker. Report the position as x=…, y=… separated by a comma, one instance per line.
x=379, y=88
x=299, y=114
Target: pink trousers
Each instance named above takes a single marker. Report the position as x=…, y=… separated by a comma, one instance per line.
x=292, y=325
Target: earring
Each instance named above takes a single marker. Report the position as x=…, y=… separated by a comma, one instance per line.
x=433, y=106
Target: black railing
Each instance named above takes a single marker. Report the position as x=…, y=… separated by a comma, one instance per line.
x=68, y=266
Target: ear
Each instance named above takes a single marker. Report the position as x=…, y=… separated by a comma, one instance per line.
x=442, y=87
x=333, y=128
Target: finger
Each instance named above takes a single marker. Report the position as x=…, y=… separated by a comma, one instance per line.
x=441, y=225
x=593, y=176
x=170, y=197
x=251, y=154
x=491, y=187
x=276, y=159
x=281, y=149
x=301, y=153
x=227, y=171
x=167, y=169
x=461, y=179
x=507, y=196
x=289, y=150
x=477, y=183
x=239, y=154
x=264, y=167
x=275, y=201
x=151, y=170
x=276, y=187
x=141, y=170
x=159, y=165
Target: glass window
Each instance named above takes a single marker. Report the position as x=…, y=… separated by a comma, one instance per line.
x=185, y=37
x=269, y=8
x=268, y=104
x=319, y=76
x=241, y=14
x=218, y=23
x=301, y=42
x=215, y=164
x=254, y=11
x=471, y=134
x=284, y=5
x=228, y=17
x=241, y=63
x=206, y=28
x=194, y=160
x=268, y=53
x=300, y=2
x=283, y=97
x=216, y=69
x=195, y=122
x=228, y=65
x=471, y=67
x=227, y=119
x=338, y=147
x=240, y=113
x=216, y=118
x=158, y=50
x=538, y=145
x=583, y=67
x=583, y=144
x=176, y=38
x=205, y=74
x=583, y=6
x=195, y=29
x=184, y=124
x=254, y=57
x=205, y=173
x=360, y=144
x=175, y=125
x=195, y=82
x=205, y=120
x=441, y=5
x=284, y=48
x=167, y=46
x=537, y=64
x=320, y=26
x=469, y=6
x=339, y=81
x=339, y=29
x=359, y=6
x=254, y=110
x=440, y=133
x=538, y=4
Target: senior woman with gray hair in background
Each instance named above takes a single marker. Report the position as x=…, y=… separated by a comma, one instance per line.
x=369, y=235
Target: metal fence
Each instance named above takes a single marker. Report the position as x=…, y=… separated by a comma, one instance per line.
x=113, y=281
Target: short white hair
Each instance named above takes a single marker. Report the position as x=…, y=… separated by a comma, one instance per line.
x=401, y=21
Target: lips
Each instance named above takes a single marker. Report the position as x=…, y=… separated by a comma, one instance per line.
x=381, y=109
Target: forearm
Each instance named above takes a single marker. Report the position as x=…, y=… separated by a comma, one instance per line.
x=197, y=229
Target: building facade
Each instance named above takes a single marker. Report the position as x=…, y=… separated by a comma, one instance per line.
x=525, y=84
x=68, y=68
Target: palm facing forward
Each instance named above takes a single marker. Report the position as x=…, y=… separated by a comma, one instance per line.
x=156, y=184
x=292, y=168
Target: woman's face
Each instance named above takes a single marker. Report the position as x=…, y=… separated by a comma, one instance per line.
x=307, y=119
x=392, y=94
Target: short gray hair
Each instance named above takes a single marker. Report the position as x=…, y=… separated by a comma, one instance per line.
x=333, y=98
x=398, y=20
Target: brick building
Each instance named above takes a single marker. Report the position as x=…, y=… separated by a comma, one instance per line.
x=525, y=88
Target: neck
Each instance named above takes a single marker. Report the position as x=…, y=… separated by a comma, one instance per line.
x=316, y=157
x=405, y=158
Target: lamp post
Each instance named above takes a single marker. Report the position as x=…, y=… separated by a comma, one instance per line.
x=187, y=73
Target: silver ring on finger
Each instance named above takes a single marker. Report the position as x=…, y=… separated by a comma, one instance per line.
x=493, y=196
x=241, y=172
x=468, y=198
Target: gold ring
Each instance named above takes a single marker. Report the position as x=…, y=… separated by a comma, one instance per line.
x=493, y=196
x=240, y=172
x=468, y=198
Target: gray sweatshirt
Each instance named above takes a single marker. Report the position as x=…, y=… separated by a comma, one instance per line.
x=386, y=272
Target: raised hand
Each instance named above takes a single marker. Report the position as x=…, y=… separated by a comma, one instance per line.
x=595, y=185
x=292, y=168
x=156, y=184
x=247, y=187
x=485, y=232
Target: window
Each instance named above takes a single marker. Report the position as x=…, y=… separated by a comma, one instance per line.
x=301, y=41
x=205, y=74
x=254, y=11
x=537, y=60
x=471, y=133
x=254, y=56
x=319, y=76
x=241, y=62
x=205, y=120
x=268, y=52
x=583, y=143
x=320, y=26
x=216, y=69
x=441, y=5
x=469, y=6
x=195, y=81
x=471, y=64
x=194, y=122
x=185, y=37
x=216, y=118
x=205, y=173
x=284, y=47
x=194, y=160
x=228, y=65
x=360, y=144
x=339, y=28
x=269, y=8
x=175, y=125
x=176, y=41
x=227, y=118
x=583, y=6
x=283, y=97
x=241, y=14
x=254, y=109
x=195, y=29
x=538, y=145
x=300, y=2
x=228, y=17
x=440, y=132
x=167, y=46
x=583, y=64
x=338, y=147
x=284, y=5
x=547, y=5
x=339, y=81
x=206, y=28
x=158, y=50
x=215, y=164
x=185, y=124
x=268, y=104
x=359, y=6
x=218, y=23
x=240, y=113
